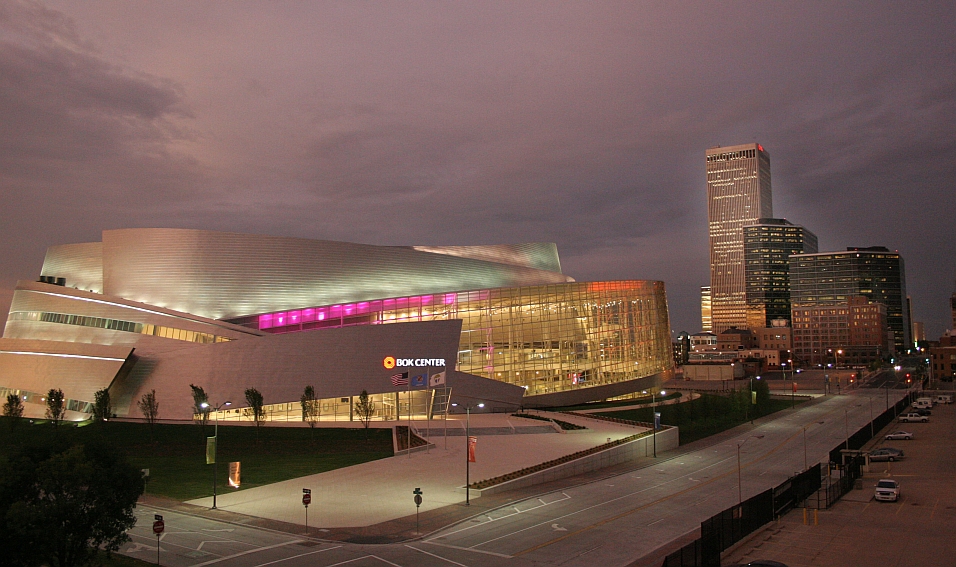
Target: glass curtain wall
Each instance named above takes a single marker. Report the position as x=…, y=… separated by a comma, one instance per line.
x=548, y=338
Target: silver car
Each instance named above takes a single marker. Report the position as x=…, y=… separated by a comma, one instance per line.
x=898, y=435
x=886, y=454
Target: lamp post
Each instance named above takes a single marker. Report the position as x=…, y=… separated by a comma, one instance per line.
x=215, y=447
x=740, y=497
x=467, y=456
x=805, y=466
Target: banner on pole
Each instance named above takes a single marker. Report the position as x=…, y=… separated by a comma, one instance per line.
x=420, y=381
x=657, y=420
x=472, y=441
x=210, y=450
x=794, y=387
x=234, y=475
x=753, y=397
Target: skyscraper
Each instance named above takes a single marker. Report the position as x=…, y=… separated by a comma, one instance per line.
x=768, y=245
x=830, y=278
x=705, y=321
x=738, y=194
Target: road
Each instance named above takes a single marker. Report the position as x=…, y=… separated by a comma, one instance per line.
x=612, y=521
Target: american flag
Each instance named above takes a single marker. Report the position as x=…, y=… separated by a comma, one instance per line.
x=400, y=379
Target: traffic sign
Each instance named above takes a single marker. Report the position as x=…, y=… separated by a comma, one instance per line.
x=158, y=527
x=306, y=499
x=418, y=500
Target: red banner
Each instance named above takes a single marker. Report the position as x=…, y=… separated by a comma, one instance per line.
x=794, y=387
x=472, y=441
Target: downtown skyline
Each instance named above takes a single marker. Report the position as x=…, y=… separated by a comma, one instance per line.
x=400, y=124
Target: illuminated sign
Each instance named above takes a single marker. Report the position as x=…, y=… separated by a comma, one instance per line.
x=392, y=362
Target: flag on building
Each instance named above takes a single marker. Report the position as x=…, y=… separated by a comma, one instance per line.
x=400, y=379
x=437, y=380
x=472, y=441
x=419, y=381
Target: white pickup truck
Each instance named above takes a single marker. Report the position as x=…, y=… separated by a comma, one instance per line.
x=913, y=417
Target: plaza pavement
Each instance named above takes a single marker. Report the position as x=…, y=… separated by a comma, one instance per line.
x=381, y=491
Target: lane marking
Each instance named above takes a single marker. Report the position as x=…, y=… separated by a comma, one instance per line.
x=248, y=551
x=297, y=556
x=436, y=556
x=460, y=548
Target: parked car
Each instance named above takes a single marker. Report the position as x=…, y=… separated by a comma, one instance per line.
x=913, y=417
x=886, y=454
x=922, y=411
x=944, y=399
x=887, y=490
x=897, y=435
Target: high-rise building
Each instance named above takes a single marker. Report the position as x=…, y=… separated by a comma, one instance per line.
x=738, y=194
x=830, y=278
x=768, y=245
x=952, y=304
x=705, y=320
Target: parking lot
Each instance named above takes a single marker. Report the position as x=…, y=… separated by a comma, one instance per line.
x=916, y=530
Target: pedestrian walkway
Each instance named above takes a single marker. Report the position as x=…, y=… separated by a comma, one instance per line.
x=381, y=491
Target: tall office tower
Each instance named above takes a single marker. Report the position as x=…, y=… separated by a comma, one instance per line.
x=952, y=304
x=738, y=194
x=705, y=306
x=830, y=278
x=768, y=245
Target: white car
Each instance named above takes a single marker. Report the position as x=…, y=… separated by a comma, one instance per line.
x=913, y=416
x=887, y=490
x=897, y=435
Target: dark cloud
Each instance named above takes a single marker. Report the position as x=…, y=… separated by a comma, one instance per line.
x=580, y=123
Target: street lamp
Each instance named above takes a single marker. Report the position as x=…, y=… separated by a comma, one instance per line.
x=215, y=447
x=467, y=456
x=805, y=466
x=740, y=497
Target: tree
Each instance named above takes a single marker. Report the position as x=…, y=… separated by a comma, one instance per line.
x=150, y=408
x=200, y=398
x=55, y=409
x=310, y=409
x=102, y=407
x=13, y=409
x=254, y=399
x=59, y=506
x=365, y=409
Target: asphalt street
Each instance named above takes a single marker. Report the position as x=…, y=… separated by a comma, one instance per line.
x=612, y=521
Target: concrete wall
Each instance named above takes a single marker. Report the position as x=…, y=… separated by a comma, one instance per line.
x=666, y=439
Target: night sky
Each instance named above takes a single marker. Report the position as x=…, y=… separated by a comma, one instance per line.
x=481, y=122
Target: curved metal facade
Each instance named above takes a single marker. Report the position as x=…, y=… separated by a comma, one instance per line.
x=225, y=275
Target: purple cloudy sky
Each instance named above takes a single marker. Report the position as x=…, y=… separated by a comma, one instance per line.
x=481, y=122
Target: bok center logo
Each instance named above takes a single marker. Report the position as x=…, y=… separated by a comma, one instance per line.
x=389, y=362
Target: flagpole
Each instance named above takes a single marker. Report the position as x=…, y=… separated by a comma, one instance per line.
x=409, y=394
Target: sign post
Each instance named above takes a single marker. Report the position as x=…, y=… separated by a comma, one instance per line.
x=158, y=527
x=418, y=502
x=657, y=425
x=306, y=500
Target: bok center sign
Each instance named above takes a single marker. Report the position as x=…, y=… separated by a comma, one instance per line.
x=392, y=362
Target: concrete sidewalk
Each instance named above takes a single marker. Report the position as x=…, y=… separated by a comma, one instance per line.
x=381, y=491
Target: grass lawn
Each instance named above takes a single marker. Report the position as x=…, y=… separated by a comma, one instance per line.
x=703, y=417
x=176, y=454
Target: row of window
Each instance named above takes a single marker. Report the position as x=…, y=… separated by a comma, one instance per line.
x=118, y=325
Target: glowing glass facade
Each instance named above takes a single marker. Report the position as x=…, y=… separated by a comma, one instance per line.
x=547, y=338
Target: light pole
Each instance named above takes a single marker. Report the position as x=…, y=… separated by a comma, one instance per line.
x=467, y=455
x=805, y=466
x=215, y=447
x=740, y=497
